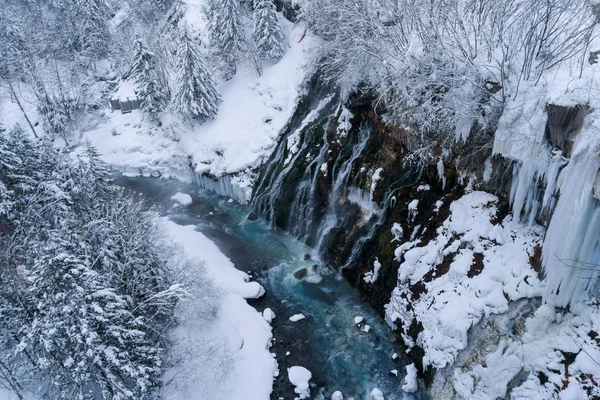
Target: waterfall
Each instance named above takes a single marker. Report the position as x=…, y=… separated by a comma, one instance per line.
x=310, y=186
x=339, y=176
x=272, y=192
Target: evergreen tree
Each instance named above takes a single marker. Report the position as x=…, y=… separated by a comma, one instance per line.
x=86, y=289
x=93, y=33
x=195, y=93
x=144, y=71
x=226, y=32
x=267, y=31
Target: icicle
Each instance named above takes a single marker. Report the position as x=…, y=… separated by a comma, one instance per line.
x=440, y=171
x=570, y=257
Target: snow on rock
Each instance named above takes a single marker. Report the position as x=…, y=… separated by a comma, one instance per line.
x=297, y=317
x=239, y=329
x=489, y=381
x=182, y=198
x=358, y=319
x=337, y=395
x=268, y=315
x=556, y=354
x=377, y=394
x=299, y=377
x=471, y=269
x=371, y=276
x=397, y=231
x=412, y=209
x=344, y=122
x=410, y=380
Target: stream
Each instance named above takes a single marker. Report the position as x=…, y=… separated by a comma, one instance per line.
x=341, y=355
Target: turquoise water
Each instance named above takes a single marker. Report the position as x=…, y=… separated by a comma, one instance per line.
x=340, y=355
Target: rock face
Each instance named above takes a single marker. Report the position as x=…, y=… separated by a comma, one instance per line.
x=341, y=177
x=564, y=124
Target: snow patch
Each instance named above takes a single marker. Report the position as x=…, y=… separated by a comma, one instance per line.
x=299, y=377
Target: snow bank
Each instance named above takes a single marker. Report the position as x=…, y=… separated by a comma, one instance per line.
x=471, y=269
x=299, y=377
x=182, y=198
x=254, y=111
x=239, y=328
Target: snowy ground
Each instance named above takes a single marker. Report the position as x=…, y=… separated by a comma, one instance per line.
x=253, y=112
x=227, y=358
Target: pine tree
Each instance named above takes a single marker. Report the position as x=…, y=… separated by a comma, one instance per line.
x=93, y=34
x=144, y=71
x=226, y=32
x=267, y=31
x=195, y=93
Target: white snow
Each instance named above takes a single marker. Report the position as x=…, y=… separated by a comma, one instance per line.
x=410, y=380
x=125, y=91
x=240, y=366
x=358, y=319
x=182, y=198
x=299, y=377
x=268, y=315
x=337, y=395
x=253, y=113
x=413, y=209
x=371, y=276
x=344, y=122
x=377, y=394
x=297, y=317
x=397, y=231
x=452, y=302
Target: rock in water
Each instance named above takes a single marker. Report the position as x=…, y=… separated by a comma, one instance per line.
x=252, y=217
x=301, y=273
x=182, y=198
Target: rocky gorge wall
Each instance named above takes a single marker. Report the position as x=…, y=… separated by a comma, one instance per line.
x=365, y=193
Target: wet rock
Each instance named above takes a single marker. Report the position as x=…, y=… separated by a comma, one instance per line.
x=564, y=124
x=252, y=217
x=306, y=257
x=301, y=273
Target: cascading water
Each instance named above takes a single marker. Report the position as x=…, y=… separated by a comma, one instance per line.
x=339, y=177
x=272, y=198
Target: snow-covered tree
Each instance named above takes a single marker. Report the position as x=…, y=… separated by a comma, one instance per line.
x=195, y=93
x=93, y=34
x=226, y=32
x=267, y=30
x=86, y=279
x=145, y=72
